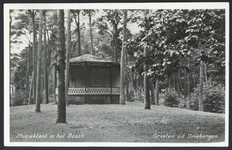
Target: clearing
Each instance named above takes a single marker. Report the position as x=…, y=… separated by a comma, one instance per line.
x=115, y=123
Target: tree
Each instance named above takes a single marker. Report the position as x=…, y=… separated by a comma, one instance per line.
x=61, y=118
x=90, y=12
x=122, y=66
x=22, y=27
x=146, y=91
x=76, y=13
x=27, y=76
x=201, y=87
x=32, y=14
x=109, y=24
x=38, y=77
x=67, y=56
x=45, y=60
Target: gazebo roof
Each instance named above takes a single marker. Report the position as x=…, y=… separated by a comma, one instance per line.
x=88, y=58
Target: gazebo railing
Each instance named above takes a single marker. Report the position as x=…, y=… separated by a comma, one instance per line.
x=93, y=91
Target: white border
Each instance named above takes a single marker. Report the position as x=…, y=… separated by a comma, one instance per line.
x=193, y=5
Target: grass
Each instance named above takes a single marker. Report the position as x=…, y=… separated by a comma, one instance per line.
x=115, y=123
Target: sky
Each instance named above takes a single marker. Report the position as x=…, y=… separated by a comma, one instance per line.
x=17, y=48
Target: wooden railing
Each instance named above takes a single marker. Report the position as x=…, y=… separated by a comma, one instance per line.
x=93, y=91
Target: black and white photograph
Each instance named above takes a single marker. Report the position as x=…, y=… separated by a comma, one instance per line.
x=116, y=74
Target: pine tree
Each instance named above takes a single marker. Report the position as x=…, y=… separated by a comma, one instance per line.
x=61, y=118
x=38, y=77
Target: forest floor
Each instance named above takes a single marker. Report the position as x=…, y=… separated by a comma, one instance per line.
x=115, y=123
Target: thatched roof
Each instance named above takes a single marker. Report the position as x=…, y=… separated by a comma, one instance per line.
x=88, y=58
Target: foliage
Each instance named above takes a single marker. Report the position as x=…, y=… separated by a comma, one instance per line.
x=214, y=99
x=171, y=98
x=172, y=35
x=19, y=97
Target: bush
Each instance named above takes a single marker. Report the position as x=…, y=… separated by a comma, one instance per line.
x=214, y=99
x=19, y=98
x=171, y=98
x=194, y=104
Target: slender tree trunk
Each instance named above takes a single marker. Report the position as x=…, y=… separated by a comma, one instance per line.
x=116, y=44
x=91, y=34
x=201, y=86
x=185, y=85
x=79, y=34
x=45, y=62
x=157, y=92
x=189, y=84
x=177, y=84
x=67, y=56
x=169, y=83
x=34, y=56
x=181, y=89
x=30, y=101
x=146, y=91
x=122, y=66
x=54, y=84
x=205, y=70
x=126, y=78
x=173, y=81
x=152, y=88
x=48, y=50
x=27, y=77
x=38, y=78
x=61, y=117
x=194, y=78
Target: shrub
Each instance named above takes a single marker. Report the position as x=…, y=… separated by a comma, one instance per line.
x=194, y=104
x=171, y=98
x=138, y=95
x=214, y=99
x=19, y=98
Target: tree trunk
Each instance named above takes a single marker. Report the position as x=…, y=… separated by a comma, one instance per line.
x=34, y=56
x=48, y=50
x=54, y=84
x=205, y=70
x=30, y=100
x=38, y=78
x=79, y=34
x=91, y=34
x=178, y=85
x=126, y=78
x=173, y=81
x=61, y=117
x=27, y=76
x=146, y=91
x=152, y=88
x=169, y=83
x=201, y=86
x=189, y=84
x=115, y=43
x=45, y=62
x=181, y=89
x=157, y=92
x=67, y=56
x=122, y=66
x=185, y=85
